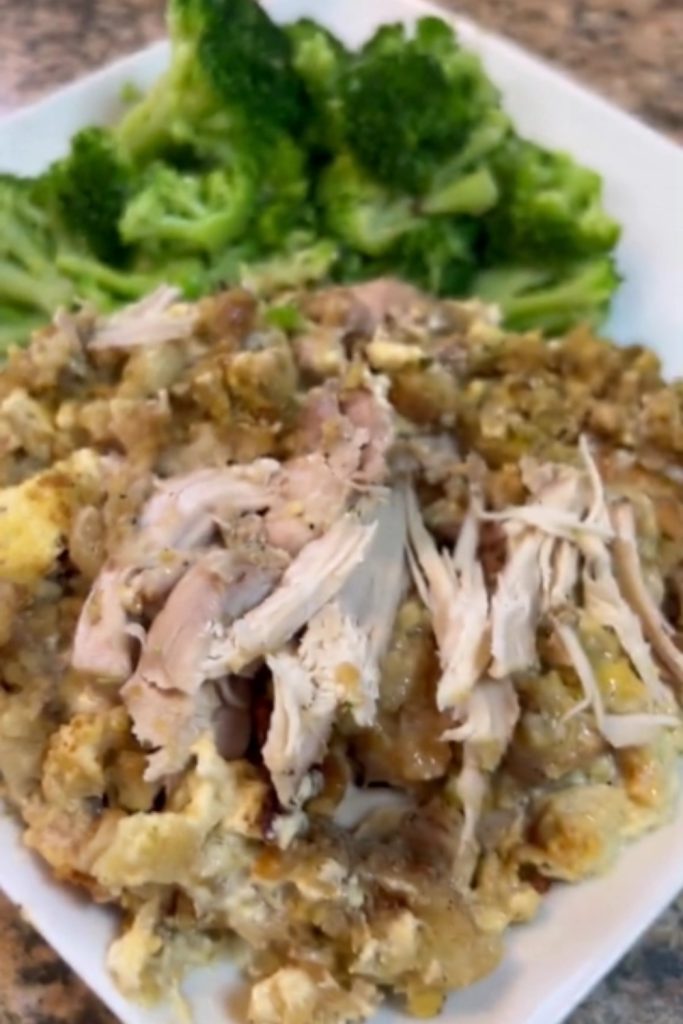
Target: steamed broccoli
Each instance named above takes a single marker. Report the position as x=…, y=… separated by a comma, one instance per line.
x=230, y=68
x=438, y=256
x=320, y=60
x=551, y=299
x=90, y=187
x=360, y=212
x=29, y=280
x=185, y=213
x=283, y=201
x=550, y=208
x=411, y=103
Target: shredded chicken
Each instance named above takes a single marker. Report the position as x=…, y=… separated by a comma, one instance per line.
x=618, y=730
x=630, y=575
x=453, y=589
x=154, y=320
x=313, y=578
x=218, y=589
x=488, y=722
x=605, y=603
x=337, y=661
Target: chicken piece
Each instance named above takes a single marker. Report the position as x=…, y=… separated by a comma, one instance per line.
x=534, y=579
x=169, y=722
x=604, y=603
x=180, y=515
x=162, y=696
x=102, y=645
x=490, y=716
x=154, y=320
x=379, y=300
x=315, y=576
x=219, y=587
x=183, y=510
x=516, y=607
x=348, y=441
x=337, y=662
x=354, y=428
x=374, y=591
x=560, y=580
x=633, y=730
x=369, y=411
x=561, y=506
x=632, y=583
x=454, y=590
x=300, y=724
x=308, y=497
x=488, y=721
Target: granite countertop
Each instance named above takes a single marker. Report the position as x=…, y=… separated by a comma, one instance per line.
x=632, y=50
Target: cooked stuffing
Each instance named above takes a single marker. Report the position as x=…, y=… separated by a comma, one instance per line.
x=334, y=648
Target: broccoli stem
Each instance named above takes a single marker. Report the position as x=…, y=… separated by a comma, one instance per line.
x=42, y=290
x=532, y=298
x=471, y=194
x=94, y=279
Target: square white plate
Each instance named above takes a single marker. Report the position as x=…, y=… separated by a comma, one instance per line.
x=582, y=931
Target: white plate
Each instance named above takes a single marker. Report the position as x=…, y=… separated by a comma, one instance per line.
x=582, y=931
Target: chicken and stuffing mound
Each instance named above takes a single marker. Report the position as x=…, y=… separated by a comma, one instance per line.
x=335, y=631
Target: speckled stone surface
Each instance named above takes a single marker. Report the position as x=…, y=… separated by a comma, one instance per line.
x=631, y=50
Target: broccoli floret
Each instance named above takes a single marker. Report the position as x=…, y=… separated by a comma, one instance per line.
x=550, y=208
x=398, y=116
x=283, y=188
x=361, y=213
x=550, y=299
x=189, y=213
x=303, y=260
x=463, y=68
x=438, y=256
x=91, y=186
x=411, y=103
x=320, y=60
x=230, y=67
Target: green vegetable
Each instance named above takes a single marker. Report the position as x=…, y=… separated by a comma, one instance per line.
x=321, y=61
x=91, y=186
x=551, y=208
x=360, y=212
x=284, y=190
x=189, y=213
x=551, y=299
x=230, y=68
x=29, y=281
x=287, y=317
x=438, y=256
x=411, y=103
